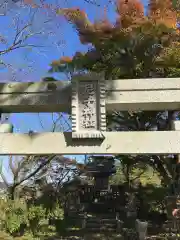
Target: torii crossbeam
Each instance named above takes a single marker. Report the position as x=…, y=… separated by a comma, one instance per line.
x=89, y=98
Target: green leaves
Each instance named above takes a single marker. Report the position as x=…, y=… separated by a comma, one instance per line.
x=36, y=212
x=176, y=4
x=14, y=215
x=57, y=212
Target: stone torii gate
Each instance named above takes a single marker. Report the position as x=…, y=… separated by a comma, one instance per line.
x=89, y=97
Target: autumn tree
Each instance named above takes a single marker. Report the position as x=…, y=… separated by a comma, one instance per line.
x=136, y=45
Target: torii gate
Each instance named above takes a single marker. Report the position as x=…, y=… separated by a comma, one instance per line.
x=90, y=97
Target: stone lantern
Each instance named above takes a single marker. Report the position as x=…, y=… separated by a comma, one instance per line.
x=101, y=168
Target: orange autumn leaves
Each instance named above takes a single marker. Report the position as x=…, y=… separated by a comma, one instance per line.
x=163, y=12
x=79, y=19
x=62, y=60
x=76, y=16
x=159, y=11
x=130, y=13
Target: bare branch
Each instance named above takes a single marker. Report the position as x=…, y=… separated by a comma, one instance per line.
x=55, y=122
x=22, y=36
x=32, y=174
x=92, y=2
x=20, y=32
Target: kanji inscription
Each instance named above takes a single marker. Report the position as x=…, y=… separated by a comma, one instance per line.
x=88, y=109
x=87, y=105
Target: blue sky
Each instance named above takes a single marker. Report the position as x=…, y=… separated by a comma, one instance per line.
x=31, y=65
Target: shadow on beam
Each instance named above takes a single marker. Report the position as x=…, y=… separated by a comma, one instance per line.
x=35, y=97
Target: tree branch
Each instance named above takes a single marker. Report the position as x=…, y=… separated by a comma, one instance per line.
x=35, y=171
